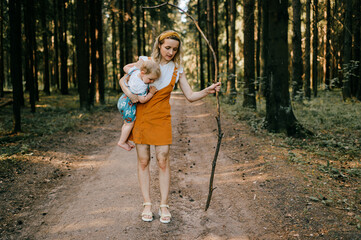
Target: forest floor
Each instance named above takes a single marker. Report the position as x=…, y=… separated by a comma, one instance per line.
x=75, y=183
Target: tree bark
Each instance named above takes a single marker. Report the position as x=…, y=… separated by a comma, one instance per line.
x=279, y=113
x=346, y=86
x=231, y=81
x=93, y=52
x=2, y=75
x=129, y=58
x=15, y=61
x=210, y=31
x=358, y=49
x=258, y=45
x=227, y=36
x=56, y=45
x=201, y=63
x=315, y=48
x=100, y=51
x=249, y=99
x=82, y=50
x=122, y=58
x=265, y=46
x=137, y=15
x=328, y=46
x=63, y=47
x=297, y=64
x=44, y=9
x=30, y=51
x=307, y=87
x=114, y=51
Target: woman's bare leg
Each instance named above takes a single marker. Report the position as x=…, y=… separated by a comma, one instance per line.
x=162, y=154
x=143, y=152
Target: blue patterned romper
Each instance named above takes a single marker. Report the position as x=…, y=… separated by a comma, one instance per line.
x=126, y=107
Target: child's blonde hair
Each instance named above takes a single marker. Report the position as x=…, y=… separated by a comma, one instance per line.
x=149, y=67
x=169, y=34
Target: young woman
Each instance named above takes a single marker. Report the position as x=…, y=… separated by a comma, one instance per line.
x=153, y=119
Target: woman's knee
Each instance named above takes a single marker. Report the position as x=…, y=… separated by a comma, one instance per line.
x=163, y=160
x=143, y=152
x=143, y=162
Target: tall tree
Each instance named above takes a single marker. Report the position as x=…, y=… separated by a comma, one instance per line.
x=82, y=52
x=231, y=81
x=258, y=44
x=15, y=61
x=100, y=52
x=56, y=43
x=63, y=46
x=44, y=13
x=315, y=48
x=128, y=18
x=265, y=46
x=297, y=64
x=356, y=79
x=210, y=32
x=249, y=99
x=2, y=75
x=358, y=49
x=279, y=113
x=307, y=86
x=93, y=52
x=122, y=58
x=29, y=25
x=137, y=16
x=114, y=49
x=346, y=87
x=201, y=64
x=227, y=35
x=328, y=45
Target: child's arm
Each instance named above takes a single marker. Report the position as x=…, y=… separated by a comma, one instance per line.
x=138, y=64
x=146, y=98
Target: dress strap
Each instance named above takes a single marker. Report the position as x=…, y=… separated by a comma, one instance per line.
x=174, y=76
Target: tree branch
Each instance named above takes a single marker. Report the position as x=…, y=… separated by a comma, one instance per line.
x=218, y=117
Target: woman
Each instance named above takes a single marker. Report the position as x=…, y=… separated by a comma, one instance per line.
x=153, y=119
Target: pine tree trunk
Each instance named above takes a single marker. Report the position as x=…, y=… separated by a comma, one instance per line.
x=114, y=52
x=216, y=31
x=122, y=59
x=137, y=15
x=129, y=58
x=315, y=48
x=249, y=99
x=93, y=52
x=56, y=46
x=30, y=50
x=265, y=46
x=82, y=50
x=201, y=63
x=63, y=47
x=227, y=37
x=44, y=9
x=307, y=87
x=210, y=38
x=297, y=64
x=358, y=49
x=100, y=55
x=346, y=87
x=2, y=75
x=279, y=113
x=328, y=46
x=231, y=83
x=258, y=45
x=15, y=60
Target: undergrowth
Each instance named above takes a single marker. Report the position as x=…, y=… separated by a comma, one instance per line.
x=332, y=155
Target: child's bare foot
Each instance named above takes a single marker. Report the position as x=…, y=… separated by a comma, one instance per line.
x=124, y=146
x=130, y=144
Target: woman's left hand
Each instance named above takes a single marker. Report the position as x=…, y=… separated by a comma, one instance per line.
x=215, y=87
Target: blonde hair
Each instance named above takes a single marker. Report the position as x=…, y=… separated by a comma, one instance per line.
x=169, y=34
x=149, y=67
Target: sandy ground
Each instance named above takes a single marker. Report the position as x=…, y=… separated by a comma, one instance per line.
x=258, y=194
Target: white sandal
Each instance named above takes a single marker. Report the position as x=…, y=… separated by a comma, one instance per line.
x=161, y=215
x=146, y=215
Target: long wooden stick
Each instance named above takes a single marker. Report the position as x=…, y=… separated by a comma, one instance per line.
x=218, y=117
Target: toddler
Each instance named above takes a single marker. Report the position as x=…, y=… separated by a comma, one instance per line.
x=137, y=84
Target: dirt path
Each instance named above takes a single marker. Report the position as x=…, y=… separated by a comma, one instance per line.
x=258, y=195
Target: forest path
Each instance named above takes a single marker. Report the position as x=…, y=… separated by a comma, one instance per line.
x=107, y=205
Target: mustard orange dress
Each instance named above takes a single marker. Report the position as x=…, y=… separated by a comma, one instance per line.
x=152, y=125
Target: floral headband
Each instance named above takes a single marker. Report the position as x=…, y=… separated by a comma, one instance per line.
x=168, y=34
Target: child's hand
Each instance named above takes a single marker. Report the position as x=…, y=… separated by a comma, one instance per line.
x=153, y=89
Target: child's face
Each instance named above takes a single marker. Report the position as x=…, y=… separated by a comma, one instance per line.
x=148, y=78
